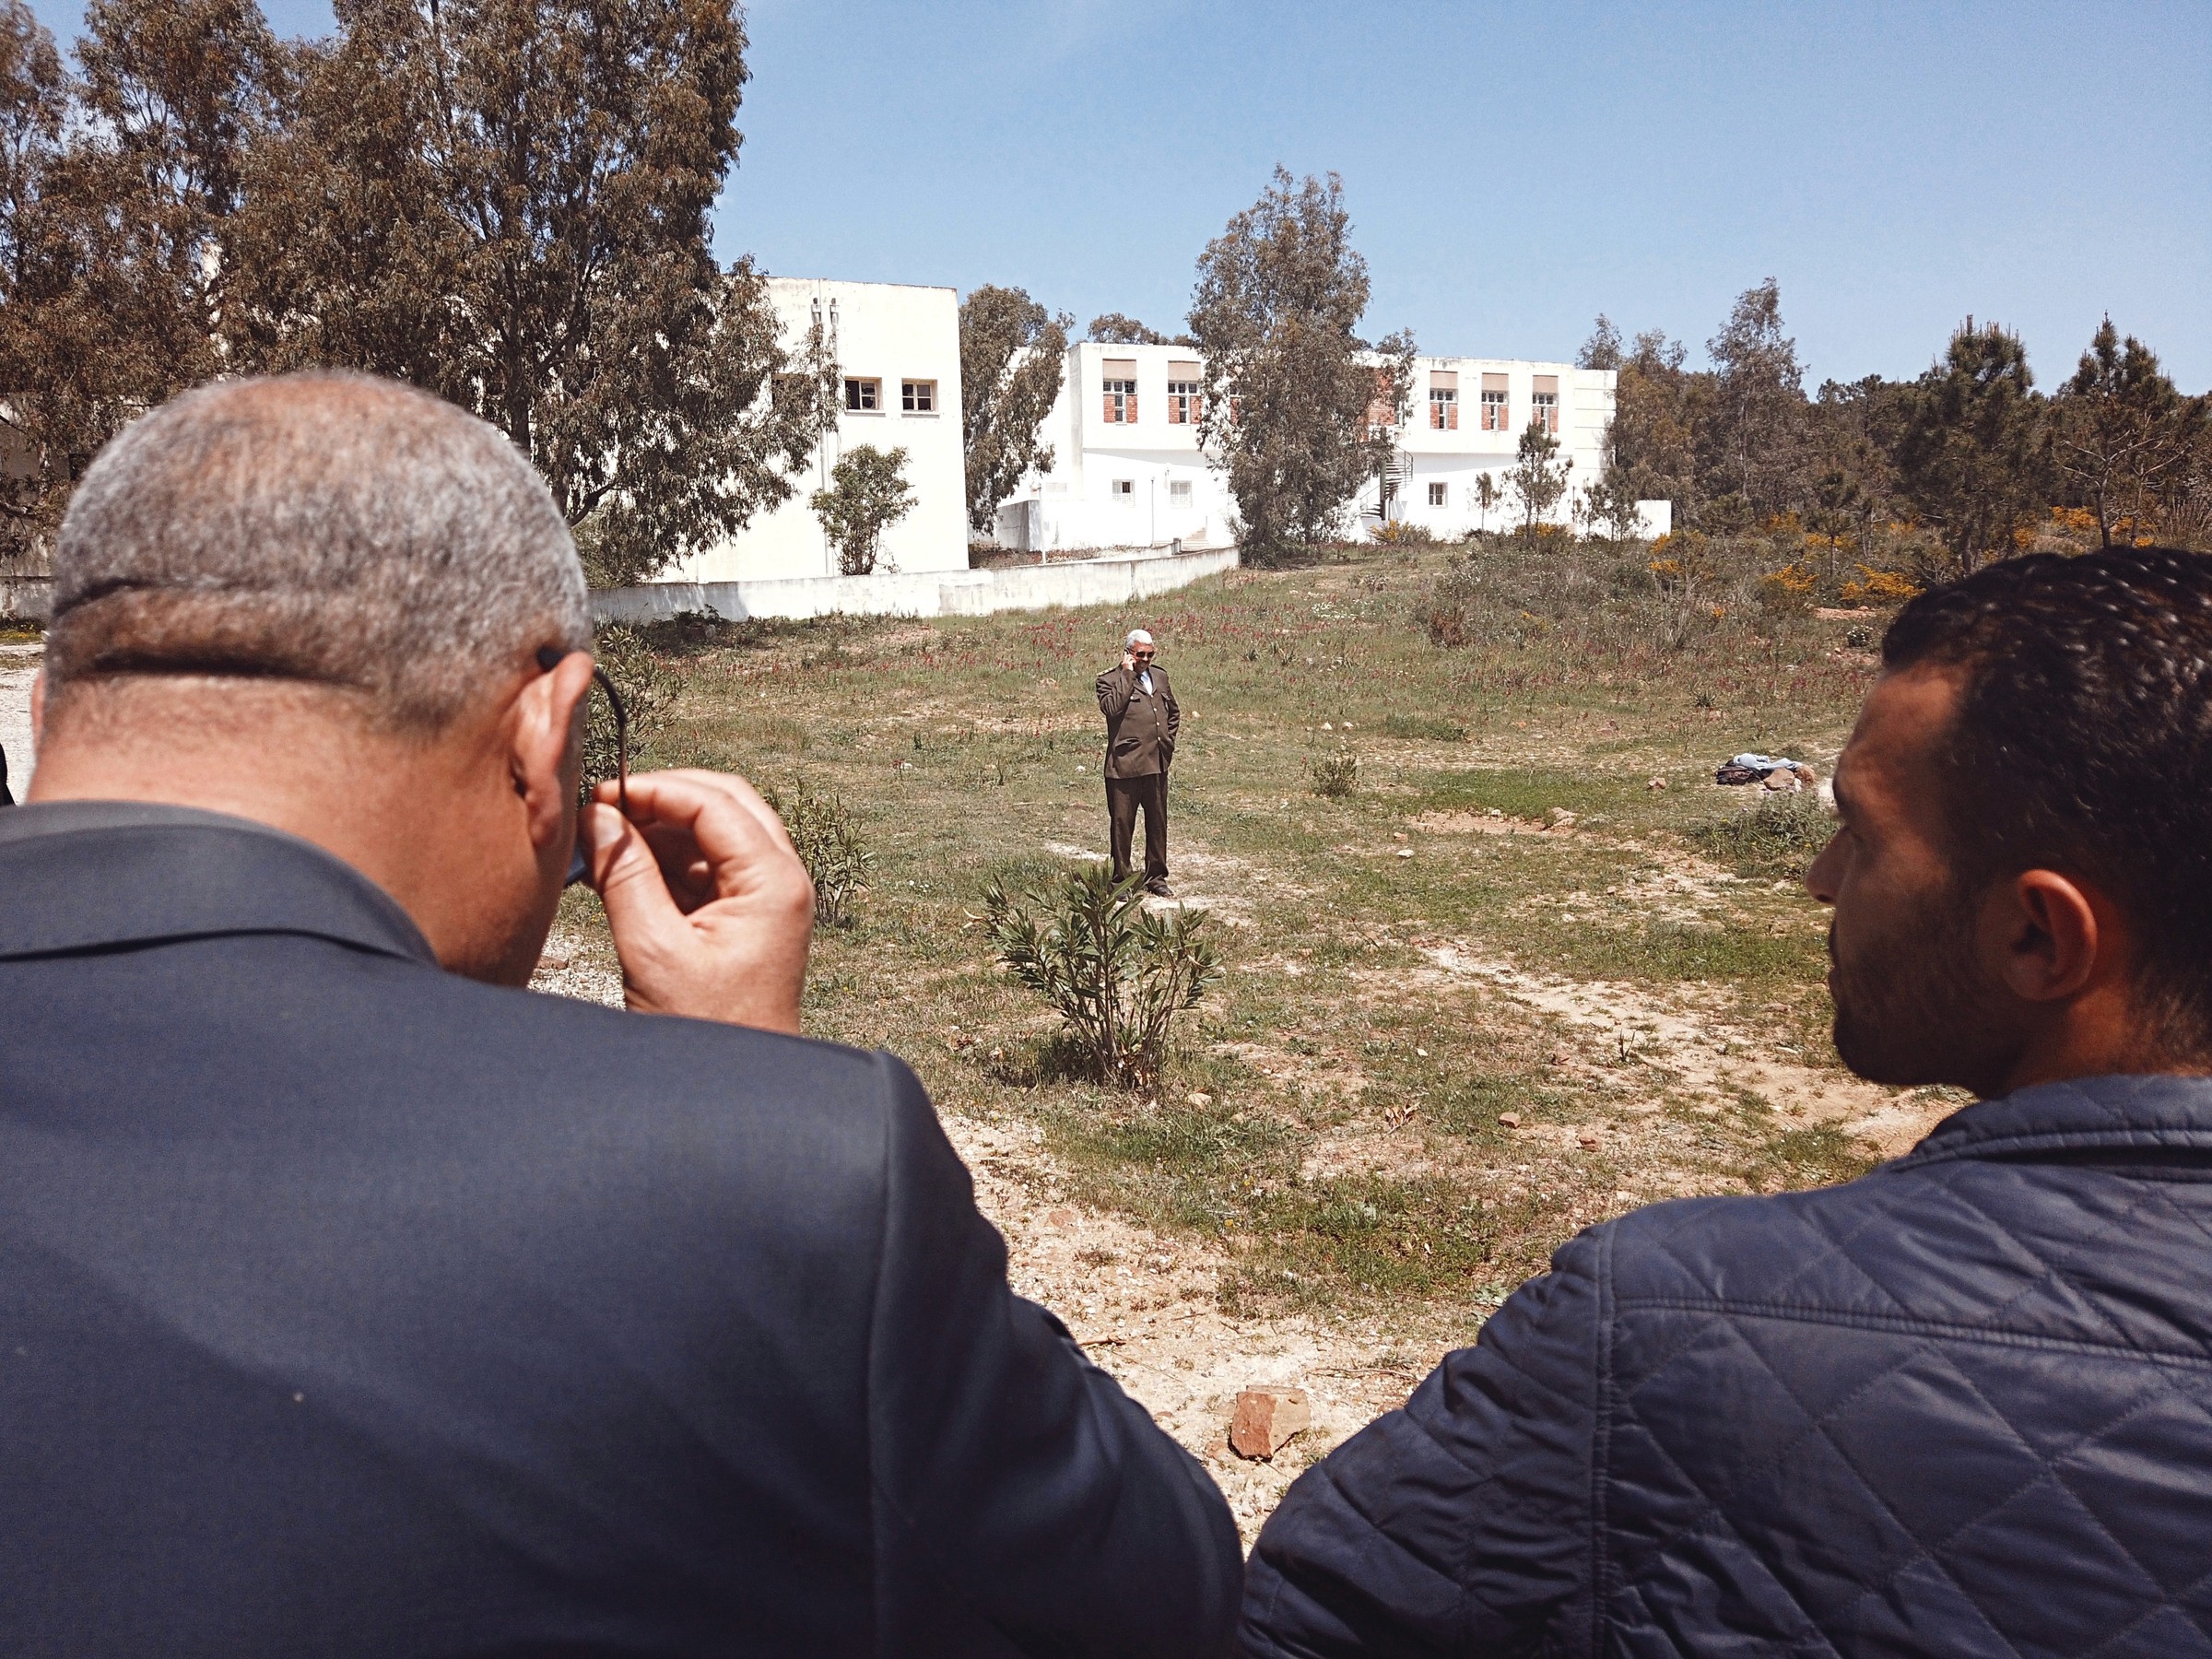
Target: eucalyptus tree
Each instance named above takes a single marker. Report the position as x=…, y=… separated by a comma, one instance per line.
x=1011, y=354
x=1299, y=411
x=509, y=201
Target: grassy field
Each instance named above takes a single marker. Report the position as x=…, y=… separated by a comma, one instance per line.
x=1458, y=1022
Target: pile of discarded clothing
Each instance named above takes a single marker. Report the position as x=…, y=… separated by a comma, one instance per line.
x=1776, y=771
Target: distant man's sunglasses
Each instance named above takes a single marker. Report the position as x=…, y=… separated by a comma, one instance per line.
x=548, y=659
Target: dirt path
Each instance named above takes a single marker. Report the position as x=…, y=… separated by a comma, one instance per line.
x=1145, y=1307
x=1700, y=1052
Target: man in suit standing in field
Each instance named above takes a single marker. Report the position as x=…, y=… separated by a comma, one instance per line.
x=1141, y=722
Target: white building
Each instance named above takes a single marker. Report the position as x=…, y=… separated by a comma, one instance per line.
x=898, y=350
x=1127, y=471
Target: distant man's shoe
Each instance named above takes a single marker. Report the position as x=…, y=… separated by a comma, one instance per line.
x=1158, y=888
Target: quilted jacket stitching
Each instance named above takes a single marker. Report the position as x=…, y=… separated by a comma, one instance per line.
x=1600, y=1440
x=1817, y=1425
x=2054, y=1271
x=2194, y=1361
x=2045, y=1467
x=2169, y=1604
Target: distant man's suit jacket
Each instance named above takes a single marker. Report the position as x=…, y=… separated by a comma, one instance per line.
x=1140, y=728
x=348, y=1307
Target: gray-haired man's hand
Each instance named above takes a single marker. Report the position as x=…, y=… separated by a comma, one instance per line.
x=712, y=911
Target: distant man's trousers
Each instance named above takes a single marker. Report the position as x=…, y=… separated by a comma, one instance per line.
x=1123, y=796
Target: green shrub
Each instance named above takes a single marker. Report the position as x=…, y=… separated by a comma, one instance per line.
x=1117, y=973
x=822, y=828
x=1422, y=725
x=648, y=687
x=1779, y=836
x=1335, y=775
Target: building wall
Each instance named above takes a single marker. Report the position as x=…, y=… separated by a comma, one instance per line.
x=1110, y=581
x=1115, y=484
x=890, y=334
x=1076, y=503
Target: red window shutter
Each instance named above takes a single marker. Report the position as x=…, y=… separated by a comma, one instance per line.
x=1132, y=415
x=1452, y=416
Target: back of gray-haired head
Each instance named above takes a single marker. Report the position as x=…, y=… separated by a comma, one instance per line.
x=331, y=529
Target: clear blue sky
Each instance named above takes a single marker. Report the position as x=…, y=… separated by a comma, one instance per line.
x=1511, y=170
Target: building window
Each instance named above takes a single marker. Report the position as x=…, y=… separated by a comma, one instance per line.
x=1179, y=492
x=918, y=397
x=1184, y=405
x=1443, y=400
x=1438, y=495
x=1124, y=490
x=1545, y=410
x=863, y=396
x=1120, y=391
x=1495, y=405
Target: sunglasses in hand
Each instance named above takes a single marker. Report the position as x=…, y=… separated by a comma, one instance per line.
x=548, y=659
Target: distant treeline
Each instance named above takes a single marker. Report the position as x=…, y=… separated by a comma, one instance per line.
x=1971, y=451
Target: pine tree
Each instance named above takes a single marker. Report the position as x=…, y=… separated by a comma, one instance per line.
x=1967, y=456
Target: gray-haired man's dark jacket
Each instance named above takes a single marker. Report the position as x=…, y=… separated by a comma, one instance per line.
x=348, y=1307
x=1962, y=1406
x=1140, y=724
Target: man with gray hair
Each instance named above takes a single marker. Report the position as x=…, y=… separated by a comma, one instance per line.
x=353, y=1300
x=1141, y=722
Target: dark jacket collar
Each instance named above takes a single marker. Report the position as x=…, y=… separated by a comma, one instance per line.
x=2152, y=1111
x=84, y=875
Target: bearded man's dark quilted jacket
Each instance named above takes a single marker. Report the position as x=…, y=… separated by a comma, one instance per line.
x=1962, y=1406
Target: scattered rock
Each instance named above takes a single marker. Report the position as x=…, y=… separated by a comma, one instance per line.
x=1404, y=852
x=1265, y=1420
x=1060, y=1217
x=1782, y=781
x=1200, y=1099
x=1511, y=1120
x=1587, y=1141
x=1656, y=783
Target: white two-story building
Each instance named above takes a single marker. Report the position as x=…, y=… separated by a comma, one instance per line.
x=898, y=351
x=1127, y=470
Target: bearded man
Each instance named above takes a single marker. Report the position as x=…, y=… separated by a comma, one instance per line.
x=1963, y=1405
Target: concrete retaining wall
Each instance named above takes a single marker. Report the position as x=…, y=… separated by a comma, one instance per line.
x=929, y=594
x=27, y=596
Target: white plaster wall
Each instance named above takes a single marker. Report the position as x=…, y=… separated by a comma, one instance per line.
x=890, y=332
x=939, y=593
x=1457, y=459
x=1075, y=505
